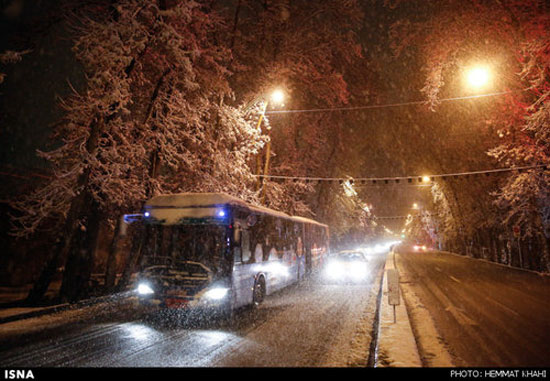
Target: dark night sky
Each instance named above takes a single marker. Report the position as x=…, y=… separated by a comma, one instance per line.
x=29, y=98
x=32, y=87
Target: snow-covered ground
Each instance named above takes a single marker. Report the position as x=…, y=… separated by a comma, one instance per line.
x=14, y=294
x=396, y=343
x=63, y=317
x=486, y=314
x=413, y=340
x=313, y=324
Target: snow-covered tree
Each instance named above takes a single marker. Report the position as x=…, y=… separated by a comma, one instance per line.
x=311, y=50
x=151, y=119
x=512, y=36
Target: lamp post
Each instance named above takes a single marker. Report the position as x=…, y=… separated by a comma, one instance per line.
x=276, y=97
x=266, y=168
x=258, y=157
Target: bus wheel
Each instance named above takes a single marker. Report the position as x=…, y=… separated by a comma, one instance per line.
x=259, y=291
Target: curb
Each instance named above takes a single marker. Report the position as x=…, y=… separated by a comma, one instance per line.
x=36, y=313
x=509, y=267
x=61, y=307
x=396, y=346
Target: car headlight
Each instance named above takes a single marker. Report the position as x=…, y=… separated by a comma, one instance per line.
x=358, y=271
x=335, y=269
x=145, y=289
x=216, y=293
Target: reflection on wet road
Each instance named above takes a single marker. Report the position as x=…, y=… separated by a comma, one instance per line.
x=314, y=323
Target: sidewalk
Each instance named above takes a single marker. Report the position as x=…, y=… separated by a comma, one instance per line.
x=396, y=342
x=12, y=307
x=416, y=324
x=11, y=302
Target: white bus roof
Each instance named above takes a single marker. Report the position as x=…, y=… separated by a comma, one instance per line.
x=189, y=200
x=183, y=200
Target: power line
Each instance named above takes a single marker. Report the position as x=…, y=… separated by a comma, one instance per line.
x=365, y=184
x=386, y=105
x=406, y=179
x=400, y=217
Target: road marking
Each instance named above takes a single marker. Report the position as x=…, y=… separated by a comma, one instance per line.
x=502, y=306
x=460, y=316
x=453, y=278
x=458, y=313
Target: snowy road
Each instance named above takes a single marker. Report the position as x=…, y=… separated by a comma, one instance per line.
x=487, y=314
x=312, y=324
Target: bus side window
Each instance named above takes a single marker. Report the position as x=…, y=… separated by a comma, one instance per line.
x=258, y=253
x=245, y=246
x=237, y=251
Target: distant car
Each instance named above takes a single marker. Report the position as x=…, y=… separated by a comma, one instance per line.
x=349, y=266
x=420, y=247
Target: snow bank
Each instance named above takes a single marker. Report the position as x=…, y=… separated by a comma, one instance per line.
x=431, y=345
x=396, y=342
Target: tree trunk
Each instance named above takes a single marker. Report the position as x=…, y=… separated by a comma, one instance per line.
x=135, y=253
x=36, y=294
x=61, y=249
x=79, y=264
x=235, y=25
x=110, y=270
x=60, y=252
x=495, y=247
x=485, y=236
x=134, y=256
x=545, y=255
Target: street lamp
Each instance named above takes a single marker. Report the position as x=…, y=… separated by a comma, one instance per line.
x=478, y=77
x=276, y=97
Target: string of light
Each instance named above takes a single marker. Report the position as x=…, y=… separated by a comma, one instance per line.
x=405, y=179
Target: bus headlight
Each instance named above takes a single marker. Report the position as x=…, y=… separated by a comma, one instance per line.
x=216, y=293
x=145, y=289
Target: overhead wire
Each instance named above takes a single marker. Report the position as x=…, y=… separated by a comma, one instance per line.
x=410, y=178
x=385, y=105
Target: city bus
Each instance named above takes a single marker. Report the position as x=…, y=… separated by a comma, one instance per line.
x=215, y=252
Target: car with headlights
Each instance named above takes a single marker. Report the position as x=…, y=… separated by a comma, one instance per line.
x=418, y=247
x=349, y=266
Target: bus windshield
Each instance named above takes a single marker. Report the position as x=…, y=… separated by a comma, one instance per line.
x=173, y=244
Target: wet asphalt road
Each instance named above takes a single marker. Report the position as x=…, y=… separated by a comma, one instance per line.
x=312, y=324
x=489, y=315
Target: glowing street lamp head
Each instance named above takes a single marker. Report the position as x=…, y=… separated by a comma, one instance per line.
x=478, y=77
x=425, y=179
x=277, y=96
